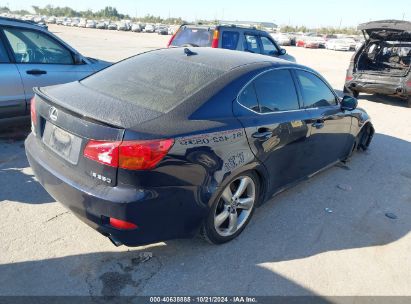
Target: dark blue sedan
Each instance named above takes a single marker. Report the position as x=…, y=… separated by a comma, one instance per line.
x=175, y=142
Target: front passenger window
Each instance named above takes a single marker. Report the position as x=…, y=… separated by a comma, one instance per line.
x=269, y=47
x=315, y=92
x=31, y=46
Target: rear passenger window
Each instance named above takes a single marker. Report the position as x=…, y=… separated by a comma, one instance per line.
x=315, y=92
x=230, y=40
x=251, y=44
x=276, y=91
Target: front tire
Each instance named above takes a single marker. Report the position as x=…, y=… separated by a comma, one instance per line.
x=409, y=102
x=232, y=209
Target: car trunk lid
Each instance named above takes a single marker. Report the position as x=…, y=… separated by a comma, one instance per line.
x=65, y=132
x=388, y=30
x=94, y=106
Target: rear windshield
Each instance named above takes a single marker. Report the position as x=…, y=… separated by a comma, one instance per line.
x=152, y=80
x=193, y=36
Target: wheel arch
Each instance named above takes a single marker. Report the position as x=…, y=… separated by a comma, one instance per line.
x=258, y=169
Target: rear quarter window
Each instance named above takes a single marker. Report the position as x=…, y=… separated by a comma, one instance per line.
x=193, y=36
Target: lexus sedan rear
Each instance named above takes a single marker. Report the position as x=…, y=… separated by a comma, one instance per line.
x=175, y=142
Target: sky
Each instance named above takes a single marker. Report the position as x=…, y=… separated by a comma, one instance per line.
x=311, y=13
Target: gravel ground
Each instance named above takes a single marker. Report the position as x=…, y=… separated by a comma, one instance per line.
x=292, y=246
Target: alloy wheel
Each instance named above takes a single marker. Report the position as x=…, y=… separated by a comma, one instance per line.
x=235, y=206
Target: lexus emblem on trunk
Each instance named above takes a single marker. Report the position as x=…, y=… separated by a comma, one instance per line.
x=53, y=113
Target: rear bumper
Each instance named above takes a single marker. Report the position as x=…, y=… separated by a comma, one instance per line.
x=377, y=87
x=161, y=213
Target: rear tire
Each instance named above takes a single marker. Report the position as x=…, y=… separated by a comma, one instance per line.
x=232, y=209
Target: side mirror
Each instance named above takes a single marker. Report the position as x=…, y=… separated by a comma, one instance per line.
x=78, y=59
x=349, y=103
x=283, y=52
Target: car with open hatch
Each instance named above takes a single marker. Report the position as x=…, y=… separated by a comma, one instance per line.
x=175, y=142
x=382, y=64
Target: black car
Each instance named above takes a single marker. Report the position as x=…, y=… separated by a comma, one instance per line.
x=382, y=64
x=178, y=141
x=230, y=37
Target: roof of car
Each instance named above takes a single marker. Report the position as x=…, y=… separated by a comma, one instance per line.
x=225, y=25
x=18, y=22
x=219, y=59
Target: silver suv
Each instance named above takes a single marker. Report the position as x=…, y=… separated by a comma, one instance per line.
x=30, y=56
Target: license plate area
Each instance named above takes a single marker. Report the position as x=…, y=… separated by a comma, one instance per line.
x=61, y=142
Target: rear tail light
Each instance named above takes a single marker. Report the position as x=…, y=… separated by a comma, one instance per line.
x=216, y=35
x=131, y=155
x=172, y=38
x=409, y=84
x=349, y=78
x=143, y=155
x=33, y=113
x=104, y=152
x=123, y=225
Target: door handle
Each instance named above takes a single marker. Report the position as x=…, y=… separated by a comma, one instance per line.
x=262, y=134
x=319, y=124
x=36, y=72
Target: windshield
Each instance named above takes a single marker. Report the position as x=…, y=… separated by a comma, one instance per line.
x=193, y=36
x=153, y=81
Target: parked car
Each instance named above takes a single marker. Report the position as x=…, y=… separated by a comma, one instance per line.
x=136, y=27
x=60, y=20
x=67, y=22
x=382, y=64
x=174, y=141
x=149, y=28
x=123, y=26
x=102, y=25
x=31, y=56
x=75, y=22
x=51, y=20
x=307, y=42
x=82, y=23
x=90, y=24
x=112, y=26
x=338, y=45
x=282, y=39
x=162, y=30
x=40, y=23
x=229, y=37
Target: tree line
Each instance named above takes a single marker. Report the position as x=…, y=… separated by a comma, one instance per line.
x=322, y=30
x=112, y=13
x=108, y=12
